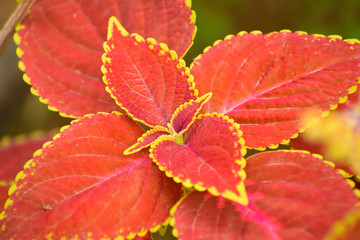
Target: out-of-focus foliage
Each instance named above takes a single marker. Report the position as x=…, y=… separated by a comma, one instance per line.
x=337, y=137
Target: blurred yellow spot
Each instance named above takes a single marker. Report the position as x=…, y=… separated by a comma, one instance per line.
x=339, y=133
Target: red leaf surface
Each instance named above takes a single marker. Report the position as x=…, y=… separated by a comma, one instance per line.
x=145, y=140
x=81, y=186
x=210, y=158
x=266, y=82
x=185, y=115
x=60, y=45
x=292, y=195
x=14, y=153
x=144, y=77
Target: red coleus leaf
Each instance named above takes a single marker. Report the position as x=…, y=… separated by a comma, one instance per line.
x=185, y=115
x=144, y=77
x=210, y=158
x=292, y=195
x=146, y=140
x=14, y=153
x=60, y=45
x=266, y=82
x=82, y=186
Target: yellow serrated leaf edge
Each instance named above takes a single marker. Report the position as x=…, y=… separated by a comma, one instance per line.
x=192, y=21
x=331, y=38
x=27, y=79
x=6, y=141
x=133, y=148
x=241, y=197
x=206, y=97
x=172, y=55
x=31, y=164
x=344, y=174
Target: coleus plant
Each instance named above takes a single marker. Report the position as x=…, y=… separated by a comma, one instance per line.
x=172, y=147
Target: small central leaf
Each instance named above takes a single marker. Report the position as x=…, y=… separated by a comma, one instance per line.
x=185, y=115
x=146, y=140
x=182, y=118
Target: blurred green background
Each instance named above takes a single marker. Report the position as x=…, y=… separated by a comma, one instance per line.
x=21, y=112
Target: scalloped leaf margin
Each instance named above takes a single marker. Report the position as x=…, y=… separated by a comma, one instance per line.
x=145, y=78
x=14, y=153
x=266, y=82
x=73, y=185
x=211, y=157
x=314, y=194
x=60, y=46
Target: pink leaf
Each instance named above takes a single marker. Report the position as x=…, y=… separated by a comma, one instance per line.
x=81, y=185
x=266, y=82
x=292, y=195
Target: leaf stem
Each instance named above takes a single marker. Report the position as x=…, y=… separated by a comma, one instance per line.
x=20, y=12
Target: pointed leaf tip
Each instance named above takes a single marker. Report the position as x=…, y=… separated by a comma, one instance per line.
x=145, y=78
x=145, y=140
x=186, y=113
x=115, y=25
x=210, y=158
